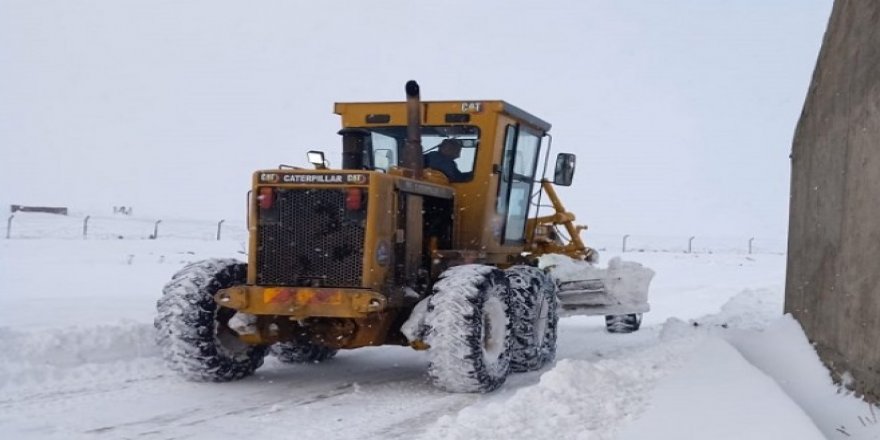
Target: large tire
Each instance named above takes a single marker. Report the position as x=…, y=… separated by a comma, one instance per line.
x=301, y=352
x=535, y=318
x=193, y=333
x=469, y=329
x=623, y=323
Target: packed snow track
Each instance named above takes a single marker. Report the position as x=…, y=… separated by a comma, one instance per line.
x=78, y=360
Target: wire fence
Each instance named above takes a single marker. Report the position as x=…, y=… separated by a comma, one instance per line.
x=95, y=227
x=91, y=227
x=698, y=244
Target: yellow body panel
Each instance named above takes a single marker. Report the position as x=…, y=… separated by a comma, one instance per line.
x=302, y=302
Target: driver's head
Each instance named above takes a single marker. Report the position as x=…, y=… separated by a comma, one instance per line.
x=450, y=148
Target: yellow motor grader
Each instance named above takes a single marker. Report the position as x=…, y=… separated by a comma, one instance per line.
x=386, y=250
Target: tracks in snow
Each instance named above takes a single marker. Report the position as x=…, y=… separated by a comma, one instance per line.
x=376, y=392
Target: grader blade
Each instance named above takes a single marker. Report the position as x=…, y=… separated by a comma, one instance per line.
x=571, y=289
x=586, y=289
x=579, y=297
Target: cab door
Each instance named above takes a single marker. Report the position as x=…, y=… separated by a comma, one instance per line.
x=518, y=164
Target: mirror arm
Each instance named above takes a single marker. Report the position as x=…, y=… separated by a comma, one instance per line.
x=561, y=214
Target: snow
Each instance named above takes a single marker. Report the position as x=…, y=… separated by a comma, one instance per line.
x=716, y=383
x=416, y=321
x=575, y=399
x=715, y=359
x=806, y=380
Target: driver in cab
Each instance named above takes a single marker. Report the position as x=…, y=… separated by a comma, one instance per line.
x=443, y=159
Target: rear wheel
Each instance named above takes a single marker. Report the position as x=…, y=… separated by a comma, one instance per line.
x=469, y=329
x=301, y=352
x=536, y=316
x=193, y=332
x=623, y=323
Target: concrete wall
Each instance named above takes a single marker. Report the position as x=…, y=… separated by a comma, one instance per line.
x=833, y=279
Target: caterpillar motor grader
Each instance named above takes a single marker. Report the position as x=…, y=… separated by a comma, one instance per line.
x=387, y=251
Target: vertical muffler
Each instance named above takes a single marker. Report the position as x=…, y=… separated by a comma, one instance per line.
x=412, y=151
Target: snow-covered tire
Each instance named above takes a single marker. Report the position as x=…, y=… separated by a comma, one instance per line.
x=469, y=329
x=535, y=318
x=301, y=352
x=192, y=331
x=623, y=323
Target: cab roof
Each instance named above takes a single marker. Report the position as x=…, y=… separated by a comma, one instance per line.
x=395, y=108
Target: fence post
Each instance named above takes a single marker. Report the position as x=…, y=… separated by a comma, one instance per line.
x=156, y=230
x=690, y=244
x=219, y=225
x=9, y=226
x=86, y=227
x=750, y=244
x=623, y=249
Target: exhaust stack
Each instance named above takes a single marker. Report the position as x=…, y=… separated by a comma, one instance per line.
x=412, y=152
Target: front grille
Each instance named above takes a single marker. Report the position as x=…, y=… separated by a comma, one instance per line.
x=310, y=238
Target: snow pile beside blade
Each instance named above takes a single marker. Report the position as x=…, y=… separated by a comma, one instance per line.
x=621, y=288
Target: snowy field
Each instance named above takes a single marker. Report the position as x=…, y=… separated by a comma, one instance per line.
x=715, y=359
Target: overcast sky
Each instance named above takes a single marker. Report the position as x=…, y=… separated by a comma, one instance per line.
x=681, y=112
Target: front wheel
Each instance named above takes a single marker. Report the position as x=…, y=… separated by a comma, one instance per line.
x=469, y=329
x=623, y=323
x=536, y=317
x=193, y=332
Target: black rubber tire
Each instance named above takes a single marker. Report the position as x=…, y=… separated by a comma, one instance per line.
x=301, y=352
x=192, y=331
x=469, y=329
x=623, y=323
x=536, y=318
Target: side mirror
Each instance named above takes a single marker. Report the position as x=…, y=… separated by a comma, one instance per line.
x=564, y=169
x=316, y=158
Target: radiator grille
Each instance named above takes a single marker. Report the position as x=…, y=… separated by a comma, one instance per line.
x=309, y=238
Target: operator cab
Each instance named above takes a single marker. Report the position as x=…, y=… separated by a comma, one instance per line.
x=499, y=166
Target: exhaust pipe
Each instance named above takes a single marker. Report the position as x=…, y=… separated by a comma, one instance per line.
x=412, y=152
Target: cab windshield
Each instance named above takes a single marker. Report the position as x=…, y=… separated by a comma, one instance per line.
x=387, y=144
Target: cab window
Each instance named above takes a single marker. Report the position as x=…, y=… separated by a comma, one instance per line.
x=518, y=165
x=387, y=144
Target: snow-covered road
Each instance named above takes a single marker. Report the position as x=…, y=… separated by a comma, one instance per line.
x=715, y=359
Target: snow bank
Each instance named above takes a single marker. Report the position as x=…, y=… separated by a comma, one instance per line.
x=752, y=322
x=751, y=309
x=60, y=283
x=783, y=352
x=40, y=360
x=697, y=401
